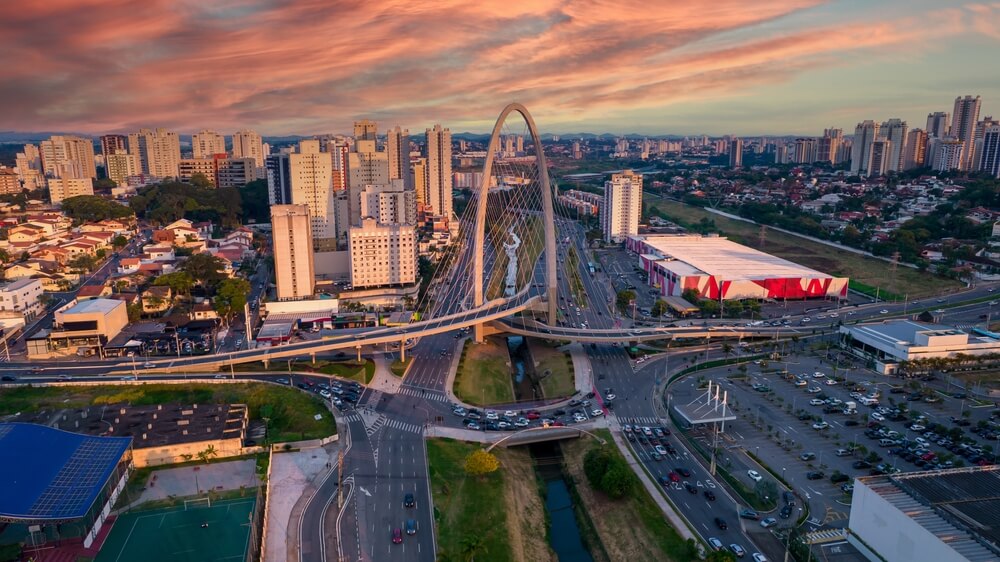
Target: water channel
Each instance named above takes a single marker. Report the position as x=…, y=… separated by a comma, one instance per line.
x=564, y=533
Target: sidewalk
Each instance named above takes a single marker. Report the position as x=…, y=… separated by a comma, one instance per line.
x=583, y=370
x=384, y=380
x=294, y=479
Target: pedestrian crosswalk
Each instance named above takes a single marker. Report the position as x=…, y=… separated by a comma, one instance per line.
x=824, y=536
x=353, y=417
x=376, y=425
x=639, y=421
x=423, y=393
x=404, y=426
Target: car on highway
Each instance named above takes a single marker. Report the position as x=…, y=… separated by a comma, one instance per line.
x=754, y=475
x=674, y=477
x=737, y=550
x=710, y=495
x=397, y=536
x=411, y=526
x=758, y=557
x=690, y=488
x=8, y=378
x=656, y=456
x=721, y=523
x=148, y=365
x=715, y=543
x=660, y=449
x=281, y=381
x=684, y=472
x=409, y=501
x=883, y=311
x=664, y=481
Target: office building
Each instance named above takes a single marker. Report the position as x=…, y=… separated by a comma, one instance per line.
x=894, y=131
x=947, y=154
x=989, y=160
x=865, y=134
x=439, y=176
x=947, y=515
x=736, y=154
x=382, y=255
x=311, y=183
x=397, y=145
x=294, y=269
x=159, y=151
x=247, y=144
x=916, y=149
x=113, y=144
x=622, y=206
x=279, y=180
x=938, y=124
x=365, y=130
x=66, y=156
x=206, y=144
x=963, y=126
x=120, y=166
x=64, y=188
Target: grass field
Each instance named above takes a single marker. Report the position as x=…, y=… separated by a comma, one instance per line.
x=861, y=269
x=398, y=367
x=496, y=517
x=575, y=283
x=632, y=528
x=559, y=381
x=483, y=376
x=290, y=411
x=362, y=372
x=176, y=534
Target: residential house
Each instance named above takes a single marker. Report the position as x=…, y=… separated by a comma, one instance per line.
x=26, y=233
x=159, y=252
x=88, y=292
x=21, y=298
x=129, y=265
x=157, y=299
x=203, y=311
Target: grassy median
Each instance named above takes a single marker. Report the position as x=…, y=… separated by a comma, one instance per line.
x=290, y=412
x=497, y=517
x=632, y=528
x=362, y=372
x=861, y=269
x=483, y=376
x=554, y=368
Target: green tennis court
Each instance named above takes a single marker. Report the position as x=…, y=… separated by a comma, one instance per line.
x=175, y=534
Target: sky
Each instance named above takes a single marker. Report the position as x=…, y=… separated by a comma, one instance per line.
x=619, y=66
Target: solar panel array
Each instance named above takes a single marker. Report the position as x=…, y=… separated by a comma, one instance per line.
x=76, y=485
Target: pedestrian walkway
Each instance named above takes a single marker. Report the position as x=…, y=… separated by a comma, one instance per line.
x=639, y=421
x=294, y=477
x=372, y=428
x=384, y=380
x=420, y=392
x=824, y=536
x=404, y=426
x=582, y=369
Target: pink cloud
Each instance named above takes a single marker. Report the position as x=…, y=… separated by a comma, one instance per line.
x=315, y=65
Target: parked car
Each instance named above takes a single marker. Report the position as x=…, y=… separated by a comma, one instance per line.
x=814, y=475
x=749, y=514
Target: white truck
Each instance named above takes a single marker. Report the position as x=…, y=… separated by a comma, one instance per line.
x=850, y=408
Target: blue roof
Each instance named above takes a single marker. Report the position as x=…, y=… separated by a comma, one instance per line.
x=48, y=473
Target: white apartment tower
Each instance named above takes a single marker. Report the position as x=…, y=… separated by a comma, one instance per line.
x=206, y=144
x=64, y=188
x=963, y=125
x=294, y=268
x=365, y=166
x=247, y=144
x=622, y=206
x=937, y=124
x=310, y=175
x=159, y=151
x=121, y=165
x=989, y=160
x=69, y=157
x=865, y=134
x=382, y=255
x=894, y=131
x=439, y=171
x=948, y=155
x=397, y=144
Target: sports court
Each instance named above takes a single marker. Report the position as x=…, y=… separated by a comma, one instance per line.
x=177, y=533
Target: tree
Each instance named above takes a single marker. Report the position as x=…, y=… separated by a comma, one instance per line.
x=199, y=179
x=481, y=462
x=134, y=312
x=691, y=295
x=659, y=308
x=82, y=263
x=119, y=242
x=624, y=299
x=180, y=282
x=256, y=207
x=93, y=208
x=472, y=545
x=618, y=481
x=720, y=556
x=231, y=296
x=205, y=269
x=208, y=454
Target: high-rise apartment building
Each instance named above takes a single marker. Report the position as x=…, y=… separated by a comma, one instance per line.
x=311, y=183
x=294, y=268
x=220, y=170
x=736, y=154
x=418, y=179
x=339, y=150
x=247, y=144
x=69, y=157
x=963, y=126
x=397, y=145
x=947, y=154
x=159, y=151
x=29, y=168
x=622, y=206
x=382, y=255
x=279, y=180
x=865, y=134
x=439, y=179
x=10, y=183
x=206, y=144
x=894, y=131
x=879, y=161
x=938, y=124
x=365, y=166
x=64, y=188
x=365, y=130
x=389, y=204
x=826, y=147
x=978, y=139
x=805, y=150
x=989, y=160
x=120, y=165
x=916, y=149
x=113, y=144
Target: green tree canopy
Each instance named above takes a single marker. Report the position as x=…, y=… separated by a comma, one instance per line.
x=206, y=270
x=231, y=296
x=180, y=282
x=171, y=200
x=480, y=462
x=92, y=208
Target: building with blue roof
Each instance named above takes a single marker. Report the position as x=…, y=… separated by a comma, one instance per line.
x=53, y=477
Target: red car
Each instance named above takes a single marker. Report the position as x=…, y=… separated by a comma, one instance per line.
x=674, y=477
x=397, y=536
x=928, y=456
x=558, y=424
x=532, y=415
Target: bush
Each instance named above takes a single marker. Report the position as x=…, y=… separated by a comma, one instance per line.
x=608, y=473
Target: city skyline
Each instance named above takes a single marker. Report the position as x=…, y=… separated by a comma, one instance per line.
x=788, y=67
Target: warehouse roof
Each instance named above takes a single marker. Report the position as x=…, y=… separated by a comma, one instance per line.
x=720, y=257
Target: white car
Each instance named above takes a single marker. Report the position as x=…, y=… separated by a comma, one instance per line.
x=754, y=475
x=660, y=449
x=578, y=418
x=510, y=414
x=758, y=557
x=816, y=402
x=610, y=397
x=491, y=415
x=800, y=382
x=831, y=382
x=818, y=375
x=814, y=390
x=820, y=425
x=597, y=412
x=325, y=393
x=878, y=417
x=883, y=311
x=715, y=543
